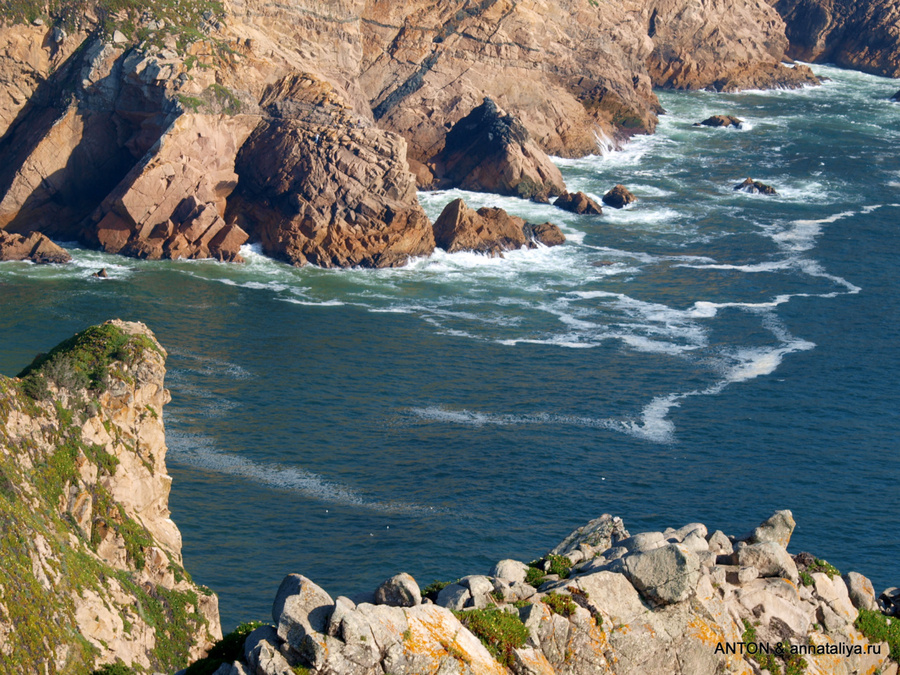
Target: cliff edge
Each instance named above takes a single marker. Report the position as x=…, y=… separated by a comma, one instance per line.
x=92, y=566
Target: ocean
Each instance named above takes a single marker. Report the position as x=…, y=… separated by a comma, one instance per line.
x=702, y=355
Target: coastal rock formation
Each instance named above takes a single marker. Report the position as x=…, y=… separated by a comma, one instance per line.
x=721, y=121
x=489, y=151
x=724, y=46
x=578, y=202
x=34, y=247
x=95, y=574
x=859, y=34
x=619, y=197
x=489, y=230
x=600, y=602
x=755, y=187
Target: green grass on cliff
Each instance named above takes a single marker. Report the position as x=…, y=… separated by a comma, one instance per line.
x=500, y=632
x=880, y=628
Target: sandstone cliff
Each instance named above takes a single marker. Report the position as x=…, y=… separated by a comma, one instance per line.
x=602, y=601
x=92, y=567
x=155, y=129
x=859, y=34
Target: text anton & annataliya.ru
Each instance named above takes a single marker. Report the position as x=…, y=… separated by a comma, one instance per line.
x=783, y=649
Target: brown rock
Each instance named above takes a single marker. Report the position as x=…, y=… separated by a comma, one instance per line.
x=34, y=247
x=619, y=197
x=489, y=151
x=101, y=274
x=755, y=186
x=547, y=234
x=860, y=34
x=720, y=121
x=578, y=202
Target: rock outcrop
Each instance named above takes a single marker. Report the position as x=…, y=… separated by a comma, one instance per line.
x=578, y=202
x=94, y=574
x=34, y=247
x=755, y=187
x=489, y=151
x=489, y=230
x=859, y=34
x=619, y=197
x=721, y=121
x=600, y=602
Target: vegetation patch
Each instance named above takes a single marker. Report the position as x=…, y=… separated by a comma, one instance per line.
x=227, y=650
x=432, y=590
x=500, y=632
x=560, y=603
x=780, y=661
x=880, y=628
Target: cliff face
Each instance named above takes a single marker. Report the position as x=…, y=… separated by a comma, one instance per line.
x=145, y=129
x=601, y=602
x=92, y=567
x=860, y=34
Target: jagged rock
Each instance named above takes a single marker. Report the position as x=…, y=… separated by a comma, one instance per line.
x=489, y=230
x=861, y=591
x=721, y=121
x=663, y=575
x=490, y=151
x=101, y=274
x=859, y=34
x=598, y=535
x=754, y=186
x=301, y=610
x=619, y=197
x=262, y=654
x=769, y=558
x=343, y=198
x=34, y=247
x=778, y=528
x=579, y=203
x=720, y=544
x=401, y=590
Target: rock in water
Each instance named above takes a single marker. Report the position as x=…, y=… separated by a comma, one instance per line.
x=489, y=151
x=578, y=202
x=34, y=247
x=720, y=121
x=896, y=97
x=619, y=197
x=754, y=186
x=489, y=230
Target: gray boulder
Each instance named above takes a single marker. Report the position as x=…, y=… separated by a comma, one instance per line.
x=720, y=544
x=770, y=559
x=645, y=541
x=778, y=529
x=301, y=611
x=512, y=571
x=262, y=654
x=663, y=575
x=599, y=534
x=401, y=590
x=454, y=596
x=861, y=591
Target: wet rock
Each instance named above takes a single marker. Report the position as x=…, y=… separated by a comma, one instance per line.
x=721, y=121
x=896, y=97
x=619, y=197
x=578, y=202
x=401, y=590
x=34, y=247
x=754, y=186
x=101, y=274
x=490, y=151
x=547, y=234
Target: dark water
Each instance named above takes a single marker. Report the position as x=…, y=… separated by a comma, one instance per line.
x=704, y=355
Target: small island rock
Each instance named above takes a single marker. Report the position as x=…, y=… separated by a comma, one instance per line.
x=619, y=197
x=578, y=202
x=755, y=187
x=721, y=121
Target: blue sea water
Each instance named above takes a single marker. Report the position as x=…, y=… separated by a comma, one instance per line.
x=703, y=355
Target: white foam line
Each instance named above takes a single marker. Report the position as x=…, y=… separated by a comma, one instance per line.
x=200, y=452
x=312, y=303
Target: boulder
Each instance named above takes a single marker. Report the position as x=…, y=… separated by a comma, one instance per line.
x=663, y=575
x=34, y=247
x=778, y=529
x=401, y=590
x=896, y=97
x=511, y=571
x=619, y=197
x=301, y=609
x=489, y=230
x=755, y=187
x=720, y=121
x=720, y=544
x=769, y=558
x=861, y=591
x=262, y=654
x=454, y=596
x=579, y=203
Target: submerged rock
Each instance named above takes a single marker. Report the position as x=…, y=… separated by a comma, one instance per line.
x=619, y=197
x=578, y=202
x=720, y=121
x=754, y=186
x=34, y=247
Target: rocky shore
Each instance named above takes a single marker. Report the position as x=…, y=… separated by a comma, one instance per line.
x=184, y=130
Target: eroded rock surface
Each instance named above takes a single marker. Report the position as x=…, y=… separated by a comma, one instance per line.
x=619, y=197
x=34, y=247
x=578, y=202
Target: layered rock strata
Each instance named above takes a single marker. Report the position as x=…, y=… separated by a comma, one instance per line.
x=603, y=601
x=489, y=230
x=859, y=34
x=92, y=567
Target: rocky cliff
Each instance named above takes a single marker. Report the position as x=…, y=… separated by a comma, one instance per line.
x=92, y=567
x=859, y=34
x=184, y=129
x=680, y=601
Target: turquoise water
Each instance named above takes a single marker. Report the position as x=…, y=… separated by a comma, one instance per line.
x=702, y=355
